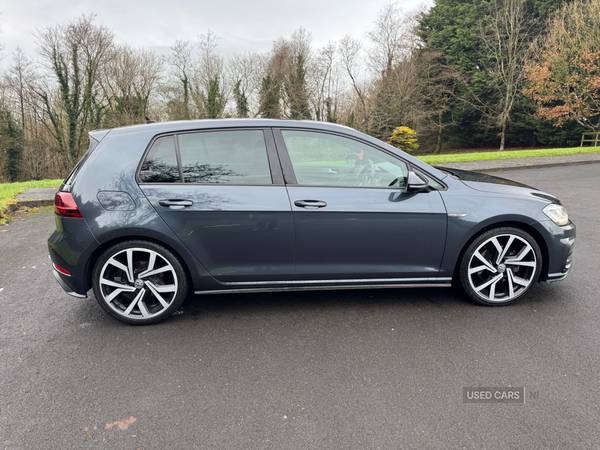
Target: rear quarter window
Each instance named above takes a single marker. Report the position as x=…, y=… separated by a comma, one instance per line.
x=160, y=164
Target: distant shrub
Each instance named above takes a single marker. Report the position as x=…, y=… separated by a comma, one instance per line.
x=405, y=139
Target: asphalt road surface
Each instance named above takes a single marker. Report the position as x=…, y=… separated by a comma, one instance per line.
x=379, y=369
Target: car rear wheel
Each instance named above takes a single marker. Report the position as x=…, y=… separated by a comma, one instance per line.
x=500, y=266
x=139, y=282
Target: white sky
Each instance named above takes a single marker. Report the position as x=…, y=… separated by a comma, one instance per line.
x=156, y=24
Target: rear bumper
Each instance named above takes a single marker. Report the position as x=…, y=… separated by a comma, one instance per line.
x=65, y=286
x=70, y=247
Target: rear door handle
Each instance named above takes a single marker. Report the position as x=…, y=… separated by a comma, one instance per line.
x=310, y=204
x=175, y=203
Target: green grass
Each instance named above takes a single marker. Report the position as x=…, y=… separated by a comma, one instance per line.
x=8, y=191
x=462, y=157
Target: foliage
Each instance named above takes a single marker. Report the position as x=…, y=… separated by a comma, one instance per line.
x=11, y=144
x=453, y=72
x=75, y=54
x=564, y=80
x=241, y=100
x=485, y=43
x=213, y=104
x=405, y=139
x=295, y=88
x=270, y=94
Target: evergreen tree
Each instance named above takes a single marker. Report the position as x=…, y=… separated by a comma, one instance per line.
x=458, y=29
x=213, y=104
x=12, y=142
x=295, y=89
x=241, y=100
x=270, y=95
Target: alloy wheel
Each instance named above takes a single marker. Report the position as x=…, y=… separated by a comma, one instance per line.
x=502, y=268
x=138, y=283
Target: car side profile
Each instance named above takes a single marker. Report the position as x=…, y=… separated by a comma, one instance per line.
x=152, y=212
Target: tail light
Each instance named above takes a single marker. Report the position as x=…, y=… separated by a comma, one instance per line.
x=65, y=206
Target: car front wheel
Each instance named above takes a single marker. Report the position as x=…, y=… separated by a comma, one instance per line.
x=139, y=282
x=500, y=266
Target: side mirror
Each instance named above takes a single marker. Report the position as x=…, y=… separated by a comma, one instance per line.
x=415, y=182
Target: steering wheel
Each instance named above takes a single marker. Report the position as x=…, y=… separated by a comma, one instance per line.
x=366, y=177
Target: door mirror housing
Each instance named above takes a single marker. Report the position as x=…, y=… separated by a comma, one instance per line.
x=415, y=182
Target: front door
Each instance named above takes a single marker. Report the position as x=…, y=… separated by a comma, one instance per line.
x=353, y=217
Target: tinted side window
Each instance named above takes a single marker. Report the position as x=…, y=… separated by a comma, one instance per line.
x=160, y=165
x=224, y=157
x=321, y=159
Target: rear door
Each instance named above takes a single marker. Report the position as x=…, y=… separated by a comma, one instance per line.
x=222, y=193
x=353, y=217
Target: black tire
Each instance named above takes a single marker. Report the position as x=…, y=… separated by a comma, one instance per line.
x=146, y=295
x=500, y=266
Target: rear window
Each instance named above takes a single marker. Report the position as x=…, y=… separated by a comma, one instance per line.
x=208, y=157
x=225, y=157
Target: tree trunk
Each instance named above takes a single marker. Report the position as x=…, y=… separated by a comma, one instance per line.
x=503, y=138
x=438, y=146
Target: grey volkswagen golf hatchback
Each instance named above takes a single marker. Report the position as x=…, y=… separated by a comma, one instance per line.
x=152, y=212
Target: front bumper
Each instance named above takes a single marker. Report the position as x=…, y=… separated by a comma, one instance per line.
x=567, y=244
x=560, y=241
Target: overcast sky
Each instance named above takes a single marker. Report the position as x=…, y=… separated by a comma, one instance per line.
x=240, y=25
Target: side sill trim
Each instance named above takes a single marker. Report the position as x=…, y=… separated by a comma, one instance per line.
x=323, y=288
x=341, y=282
x=65, y=287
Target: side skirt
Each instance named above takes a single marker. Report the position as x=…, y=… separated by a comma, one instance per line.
x=441, y=282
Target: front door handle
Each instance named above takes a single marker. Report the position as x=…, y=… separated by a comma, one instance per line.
x=310, y=204
x=175, y=203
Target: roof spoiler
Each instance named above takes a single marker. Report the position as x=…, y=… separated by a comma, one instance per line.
x=98, y=135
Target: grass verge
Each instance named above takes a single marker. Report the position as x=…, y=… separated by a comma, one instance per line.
x=484, y=156
x=8, y=191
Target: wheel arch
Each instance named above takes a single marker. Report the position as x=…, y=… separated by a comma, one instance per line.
x=95, y=255
x=535, y=234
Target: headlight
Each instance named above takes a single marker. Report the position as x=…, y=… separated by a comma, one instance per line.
x=557, y=213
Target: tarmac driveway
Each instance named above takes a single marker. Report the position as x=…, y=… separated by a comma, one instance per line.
x=336, y=369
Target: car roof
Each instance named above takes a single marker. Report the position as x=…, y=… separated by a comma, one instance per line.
x=183, y=125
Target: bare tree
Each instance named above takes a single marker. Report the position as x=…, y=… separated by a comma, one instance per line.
x=73, y=55
x=394, y=97
x=438, y=85
x=324, y=98
x=392, y=39
x=350, y=52
x=506, y=38
x=209, y=88
x=1, y=45
x=19, y=78
x=131, y=77
x=181, y=65
x=245, y=74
